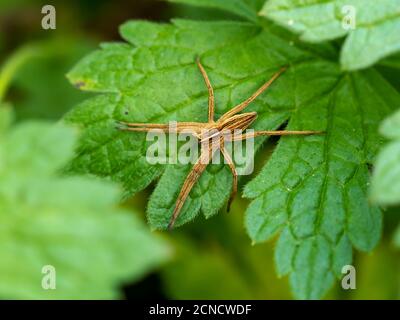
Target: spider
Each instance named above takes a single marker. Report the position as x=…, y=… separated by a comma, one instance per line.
x=212, y=134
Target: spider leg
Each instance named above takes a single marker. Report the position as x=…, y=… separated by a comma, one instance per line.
x=180, y=127
x=141, y=127
x=254, y=134
x=190, y=181
x=231, y=165
x=159, y=125
x=211, y=99
x=244, y=104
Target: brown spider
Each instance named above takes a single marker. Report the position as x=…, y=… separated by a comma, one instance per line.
x=212, y=134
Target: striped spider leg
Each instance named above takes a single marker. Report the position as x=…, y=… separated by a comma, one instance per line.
x=211, y=135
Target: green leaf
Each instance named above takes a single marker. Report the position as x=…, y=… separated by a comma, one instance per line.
x=244, y=8
x=376, y=33
x=390, y=128
x=209, y=195
x=385, y=187
x=158, y=81
x=70, y=223
x=314, y=190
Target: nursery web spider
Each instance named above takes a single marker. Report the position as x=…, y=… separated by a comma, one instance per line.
x=211, y=135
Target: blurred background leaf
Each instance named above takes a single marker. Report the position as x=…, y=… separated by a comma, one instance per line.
x=33, y=96
x=70, y=223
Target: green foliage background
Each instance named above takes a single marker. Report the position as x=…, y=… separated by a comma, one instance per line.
x=313, y=197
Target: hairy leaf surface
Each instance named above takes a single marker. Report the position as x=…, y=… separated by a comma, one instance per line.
x=314, y=190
